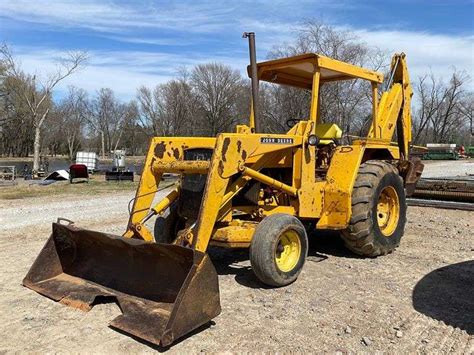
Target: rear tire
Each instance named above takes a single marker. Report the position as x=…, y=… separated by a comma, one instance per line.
x=278, y=250
x=379, y=208
x=167, y=225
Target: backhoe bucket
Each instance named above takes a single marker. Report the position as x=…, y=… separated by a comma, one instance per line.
x=164, y=291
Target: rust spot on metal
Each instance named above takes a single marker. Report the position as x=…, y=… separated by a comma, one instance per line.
x=239, y=146
x=225, y=147
x=220, y=168
x=160, y=149
x=411, y=172
x=85, y=307
x=176, y=153
x=244, y=154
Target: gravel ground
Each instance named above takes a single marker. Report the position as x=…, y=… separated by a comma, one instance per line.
x=417, y=299
x=448, y=168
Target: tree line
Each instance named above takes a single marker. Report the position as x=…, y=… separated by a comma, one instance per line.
x=211, y=98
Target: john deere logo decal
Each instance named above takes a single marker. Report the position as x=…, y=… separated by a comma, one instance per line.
x=272, y=140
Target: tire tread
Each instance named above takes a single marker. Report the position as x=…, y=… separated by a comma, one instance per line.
x=359, y=237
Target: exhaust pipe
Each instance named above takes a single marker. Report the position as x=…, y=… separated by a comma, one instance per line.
x=253, y=75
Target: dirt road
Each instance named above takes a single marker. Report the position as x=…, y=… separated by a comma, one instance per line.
x=419, y=298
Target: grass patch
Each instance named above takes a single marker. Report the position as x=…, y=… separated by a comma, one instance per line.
x=25, y=190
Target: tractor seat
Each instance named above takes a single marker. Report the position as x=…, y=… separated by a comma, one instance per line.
x=328, y=132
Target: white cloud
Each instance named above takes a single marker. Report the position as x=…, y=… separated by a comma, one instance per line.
x=119, y=18
x=193, y=23
x=152, y=41
x=186, y=16
x=121, y=79
x=425, y=51
x=123, y=71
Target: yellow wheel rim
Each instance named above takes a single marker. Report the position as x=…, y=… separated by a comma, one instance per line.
x=288, y=251
x=388, y=211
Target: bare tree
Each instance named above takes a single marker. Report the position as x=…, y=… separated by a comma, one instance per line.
x=443, y=111
x=149, y=104
x=73, y=111
x=448, y=118
x=179, y=106
x=36, y=93
x=134, y=138
x=167, y=109
x=107, y=118
x=15, y=125
x=466, y=108
x=428, y=93
x=217, y=88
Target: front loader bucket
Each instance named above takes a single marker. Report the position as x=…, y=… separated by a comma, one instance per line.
x=164, y=291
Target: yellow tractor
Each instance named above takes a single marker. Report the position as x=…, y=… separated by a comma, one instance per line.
x=247, y=189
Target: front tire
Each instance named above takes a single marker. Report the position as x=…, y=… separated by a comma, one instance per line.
x=278, y=250
x=379, y=209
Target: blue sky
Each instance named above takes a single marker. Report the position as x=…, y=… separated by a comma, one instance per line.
x=131, y=43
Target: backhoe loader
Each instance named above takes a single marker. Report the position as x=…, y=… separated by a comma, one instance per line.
x=247, y=189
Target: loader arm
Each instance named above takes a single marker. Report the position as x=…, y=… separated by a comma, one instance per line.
x=164, y=155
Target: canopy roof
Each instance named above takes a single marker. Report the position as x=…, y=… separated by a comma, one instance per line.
x=298, y=71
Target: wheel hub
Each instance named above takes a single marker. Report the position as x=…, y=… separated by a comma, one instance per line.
x=288, y=251
x=388, y=210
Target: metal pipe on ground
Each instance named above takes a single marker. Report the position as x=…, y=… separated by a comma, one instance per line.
x=451, y=205
x=445, y=195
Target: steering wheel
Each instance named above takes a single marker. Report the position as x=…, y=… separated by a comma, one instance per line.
x=292, y=121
